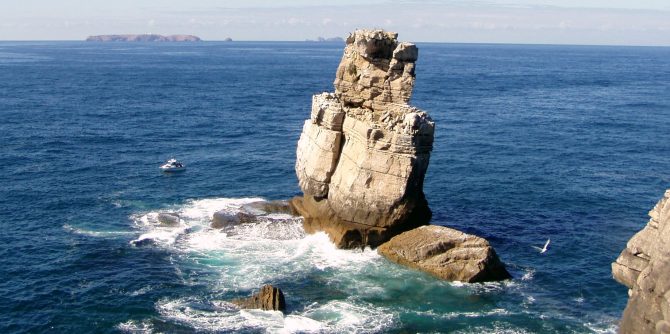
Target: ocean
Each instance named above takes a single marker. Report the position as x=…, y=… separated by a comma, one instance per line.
x=532, y=142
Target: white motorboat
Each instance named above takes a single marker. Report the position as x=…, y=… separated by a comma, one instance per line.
x=173, y=165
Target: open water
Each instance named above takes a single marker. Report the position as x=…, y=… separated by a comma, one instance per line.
x=533, y=142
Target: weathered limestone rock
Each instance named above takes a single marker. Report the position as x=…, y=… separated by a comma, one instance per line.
x=644, y=267
x=446, y=253
x=375, y=70
x=363, y=154
x=268, y=299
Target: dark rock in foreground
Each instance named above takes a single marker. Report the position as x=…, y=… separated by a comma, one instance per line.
x=143, y=38
x=268, y=299
x=644, y=267
x=446, y=253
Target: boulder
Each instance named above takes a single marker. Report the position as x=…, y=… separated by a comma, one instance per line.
x=363, y=153
x=446, y=253
x=168, y=218
x=269, y=298
x=223, y=219
x=268, y=207
x=644, y=267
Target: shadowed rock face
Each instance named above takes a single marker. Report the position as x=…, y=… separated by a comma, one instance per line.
x=363, y=154
x=269, y=299
x=644, y=267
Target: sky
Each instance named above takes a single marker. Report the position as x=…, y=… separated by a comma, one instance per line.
x=597, y=22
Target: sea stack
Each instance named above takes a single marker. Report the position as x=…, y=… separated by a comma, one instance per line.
x=644, y=267
x=363, y=154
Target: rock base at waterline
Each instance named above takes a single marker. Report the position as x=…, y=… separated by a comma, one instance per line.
x=318, y=216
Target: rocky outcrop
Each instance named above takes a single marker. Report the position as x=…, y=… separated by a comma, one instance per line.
x=363, y=154
x=143, y=38
x=269, y=207
x=168, y=218
x=269, y=299
x=253, y=212
x=224, y=219
x=644, y=267
x=446, y=253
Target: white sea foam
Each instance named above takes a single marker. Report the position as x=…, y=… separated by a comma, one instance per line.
x=91, y=233
x=332, y=317
x=493, y=329
x=249, y=255
x=456, y=315
x=350, y=316
x=141, y=291
x=528, y=274
x=604, y=325
x=135, y=327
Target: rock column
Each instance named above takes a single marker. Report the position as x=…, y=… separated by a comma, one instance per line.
x=363, y=154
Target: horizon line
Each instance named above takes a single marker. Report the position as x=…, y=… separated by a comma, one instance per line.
x=331, y=42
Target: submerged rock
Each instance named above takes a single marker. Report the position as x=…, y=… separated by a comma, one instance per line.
x=644, y=267
x=223, y=219
x=142, y=242
x=363, y=154
x=269, y=207
x=269, y=298
x=446, y=253
x=168, y=218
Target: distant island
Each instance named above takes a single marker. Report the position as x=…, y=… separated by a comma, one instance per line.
x=331, y=39
x=143, y=38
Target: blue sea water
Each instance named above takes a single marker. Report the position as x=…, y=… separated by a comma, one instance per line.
x=533, y=142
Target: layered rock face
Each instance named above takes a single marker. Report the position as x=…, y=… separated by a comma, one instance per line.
x=447, y=254
x=363, y=154
x=644, y=267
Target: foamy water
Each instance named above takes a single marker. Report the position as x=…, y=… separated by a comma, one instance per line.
x=247, y=256
x=276, y=250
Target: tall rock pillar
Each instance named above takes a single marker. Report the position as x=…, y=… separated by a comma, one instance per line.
x=363, y=154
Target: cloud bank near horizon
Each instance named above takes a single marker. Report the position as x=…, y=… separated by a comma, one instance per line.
x=494, y=21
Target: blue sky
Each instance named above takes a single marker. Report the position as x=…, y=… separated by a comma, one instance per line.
x=619, y=22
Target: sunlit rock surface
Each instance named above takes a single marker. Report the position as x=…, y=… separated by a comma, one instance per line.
x=644, y=267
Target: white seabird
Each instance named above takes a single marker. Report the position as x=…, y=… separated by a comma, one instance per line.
x=543, y=249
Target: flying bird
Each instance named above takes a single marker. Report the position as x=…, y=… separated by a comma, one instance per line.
x=543, y=249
